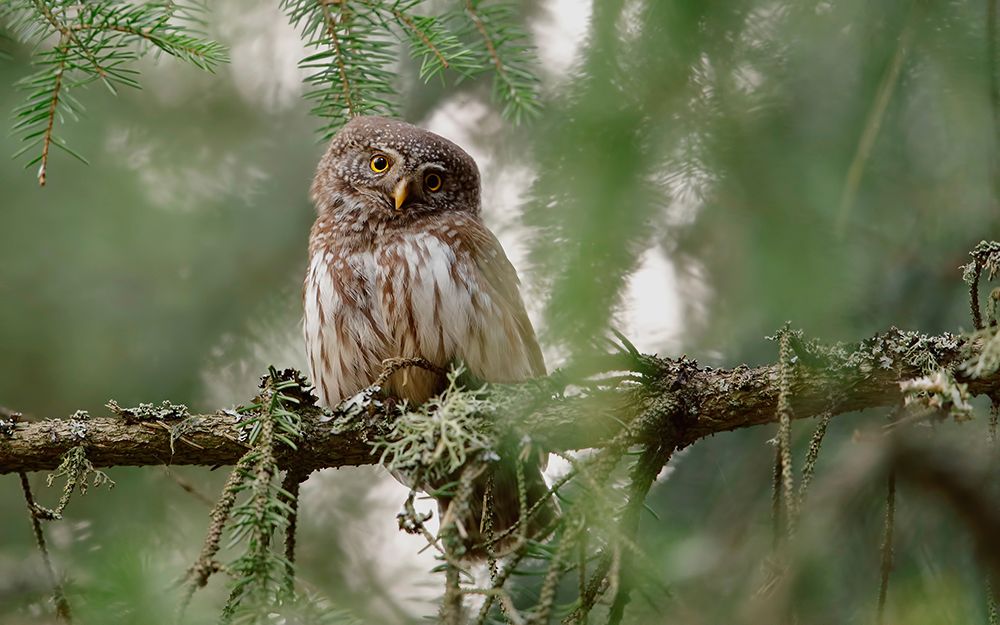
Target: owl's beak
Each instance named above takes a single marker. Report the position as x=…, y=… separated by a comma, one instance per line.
x=401, y=192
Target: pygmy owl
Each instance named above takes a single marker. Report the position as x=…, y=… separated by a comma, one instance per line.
x=401, y=265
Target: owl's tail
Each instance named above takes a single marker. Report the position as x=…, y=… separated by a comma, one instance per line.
x=487, y=522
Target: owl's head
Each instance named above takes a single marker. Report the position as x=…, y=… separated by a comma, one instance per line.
x=394, y=170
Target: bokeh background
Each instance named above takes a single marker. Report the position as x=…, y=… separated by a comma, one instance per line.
x=700, y=173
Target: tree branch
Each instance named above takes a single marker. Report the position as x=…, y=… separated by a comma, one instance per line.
x=704, y=401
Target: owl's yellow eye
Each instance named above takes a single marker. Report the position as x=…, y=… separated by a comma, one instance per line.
x=432, y=181
x=379, y=163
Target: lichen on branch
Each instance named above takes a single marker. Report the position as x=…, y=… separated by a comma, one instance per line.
x=835, y=379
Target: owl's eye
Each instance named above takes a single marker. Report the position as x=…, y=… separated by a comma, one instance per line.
x=379, y=163
x=432, y=181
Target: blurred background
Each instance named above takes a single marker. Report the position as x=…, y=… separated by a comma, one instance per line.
x=700, y=173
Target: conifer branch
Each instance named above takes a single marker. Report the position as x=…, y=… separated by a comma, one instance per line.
x=719, y=400
x=675, y=404
x=350, y=70
x=491, y=48
x=422, y=35
x=50, y=121
x=643, y=475
x=515, y=85
x=95, y=41
x=331, y=31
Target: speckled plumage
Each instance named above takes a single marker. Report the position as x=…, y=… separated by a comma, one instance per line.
x=422, y=279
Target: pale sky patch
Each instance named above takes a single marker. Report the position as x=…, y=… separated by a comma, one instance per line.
x=265, y=50
x=559, y=35
x=185, y=184
x=652, y=316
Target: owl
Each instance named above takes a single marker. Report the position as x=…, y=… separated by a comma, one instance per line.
x=401, y=265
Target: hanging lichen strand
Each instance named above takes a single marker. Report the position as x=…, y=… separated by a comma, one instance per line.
x=80, y=475
x=985, y=257
x=784, y=478
x=989, y=583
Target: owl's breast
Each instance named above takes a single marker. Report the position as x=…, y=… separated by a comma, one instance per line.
x=436, y=308
x=409, y=294
x=345, y=332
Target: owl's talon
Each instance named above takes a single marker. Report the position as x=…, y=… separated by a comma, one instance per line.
x=391, y=406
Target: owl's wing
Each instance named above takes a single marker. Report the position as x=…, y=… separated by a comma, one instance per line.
x=451, y=295
x=497, y=271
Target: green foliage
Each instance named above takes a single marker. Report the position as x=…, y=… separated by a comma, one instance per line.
x=351, y=72
x=505, y=49
x=93, y=42
x=579, y=201
x=432, y=44
x=262, y=577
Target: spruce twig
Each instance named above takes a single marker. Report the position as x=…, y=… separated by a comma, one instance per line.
x=497, y=585
x=205, y=565
x=643, y=476
x=581, y=565
x=452, y=533
x=507, y=50
x=95, y=41
x=873, y=123
x=777, y=526
x=290, y=494
x=985, y=257
x=533, y=510
x=263, y=578
x=547, y=593
x=412, y=523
